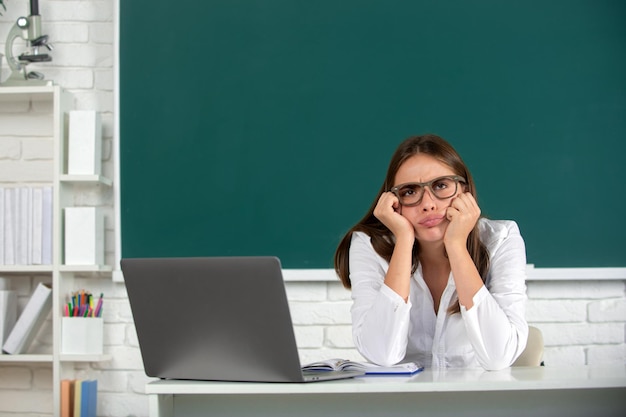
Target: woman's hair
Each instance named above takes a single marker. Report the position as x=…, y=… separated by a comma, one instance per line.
x=381, y=237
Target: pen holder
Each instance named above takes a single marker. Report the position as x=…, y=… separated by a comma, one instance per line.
x=81, y=335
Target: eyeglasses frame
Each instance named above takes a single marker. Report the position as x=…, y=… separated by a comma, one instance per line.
x=456, y=178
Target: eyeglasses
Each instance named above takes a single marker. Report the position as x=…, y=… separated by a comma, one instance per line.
x=410, y=194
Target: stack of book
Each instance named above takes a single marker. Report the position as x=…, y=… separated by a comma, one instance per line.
x=25, y=225
x=79, y=398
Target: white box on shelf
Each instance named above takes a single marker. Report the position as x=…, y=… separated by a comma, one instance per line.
x=81, y=335
x=84, y=236
x=84, y=143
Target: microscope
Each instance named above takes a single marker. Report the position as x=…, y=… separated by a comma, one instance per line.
x=28, y=29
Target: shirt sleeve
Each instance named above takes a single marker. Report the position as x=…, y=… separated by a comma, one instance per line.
x=380, y=317
x=496, y=324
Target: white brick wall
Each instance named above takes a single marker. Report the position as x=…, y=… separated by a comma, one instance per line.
x=583, y=322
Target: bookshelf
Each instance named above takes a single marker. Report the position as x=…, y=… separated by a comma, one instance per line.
x=49, y=107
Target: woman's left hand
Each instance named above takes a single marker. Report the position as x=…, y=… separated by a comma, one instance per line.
x=463, y=214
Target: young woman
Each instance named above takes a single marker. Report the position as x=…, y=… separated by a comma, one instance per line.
x=432, y=281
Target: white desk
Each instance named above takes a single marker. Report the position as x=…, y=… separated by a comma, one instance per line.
x=542, y=391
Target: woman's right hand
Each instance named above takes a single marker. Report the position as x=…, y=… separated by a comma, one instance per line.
x=389, y=211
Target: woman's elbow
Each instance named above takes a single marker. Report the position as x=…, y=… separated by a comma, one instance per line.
x=498, y=362
x=376, y=352
x=496, y=365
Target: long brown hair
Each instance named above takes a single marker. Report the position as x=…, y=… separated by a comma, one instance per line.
x=381, y=236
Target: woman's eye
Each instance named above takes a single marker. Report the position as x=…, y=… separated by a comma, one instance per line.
x=408, y=192
x=441, y=184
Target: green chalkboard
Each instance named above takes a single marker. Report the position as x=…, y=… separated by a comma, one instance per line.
x=253, y=127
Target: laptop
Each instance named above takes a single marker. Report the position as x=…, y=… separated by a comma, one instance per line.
x=215, y=319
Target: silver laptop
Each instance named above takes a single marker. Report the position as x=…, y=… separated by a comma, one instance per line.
x=222, y=318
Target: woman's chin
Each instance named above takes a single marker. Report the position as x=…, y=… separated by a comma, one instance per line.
x=430, y=234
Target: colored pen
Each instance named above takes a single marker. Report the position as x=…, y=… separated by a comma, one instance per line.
x=98, y=311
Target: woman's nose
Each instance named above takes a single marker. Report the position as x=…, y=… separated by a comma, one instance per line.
x=428, y=201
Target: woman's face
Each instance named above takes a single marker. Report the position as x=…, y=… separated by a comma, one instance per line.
x=428, y=217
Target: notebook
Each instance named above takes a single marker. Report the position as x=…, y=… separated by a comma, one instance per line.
x=215, y=318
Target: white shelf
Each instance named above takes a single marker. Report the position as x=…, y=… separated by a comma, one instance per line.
x=85, y=268
x=21, y=94
x=24, y=269
x=26, y=358
x=89, y=179
x=85, y=358
x=62, y=276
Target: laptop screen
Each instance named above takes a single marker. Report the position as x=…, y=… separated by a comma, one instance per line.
x=213, y=318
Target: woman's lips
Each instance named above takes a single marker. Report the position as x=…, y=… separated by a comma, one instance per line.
x=432, y=221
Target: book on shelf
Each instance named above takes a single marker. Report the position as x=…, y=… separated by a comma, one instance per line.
x=30, y=321
x=89, y=399
x=67, y=398
x=406, y=368
x=9, y=226
x=37, y=231
x=22, y=215
x=79, y=398
x=29, y=224
x=78, y=394
x=8, y=310
x=2, y=235
x=46, y=226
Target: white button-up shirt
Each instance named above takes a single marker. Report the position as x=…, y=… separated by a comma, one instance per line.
x=491, y=334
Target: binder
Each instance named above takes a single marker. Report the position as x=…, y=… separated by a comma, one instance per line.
x=37, y=231
x=30, y=321
x=46, y=227
x=85, y=401
x=67, y=398
x=78, y=397
x=88, y=406
x=2, y=234
x=8, y=312
x=21, y=217
x=10, y=209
